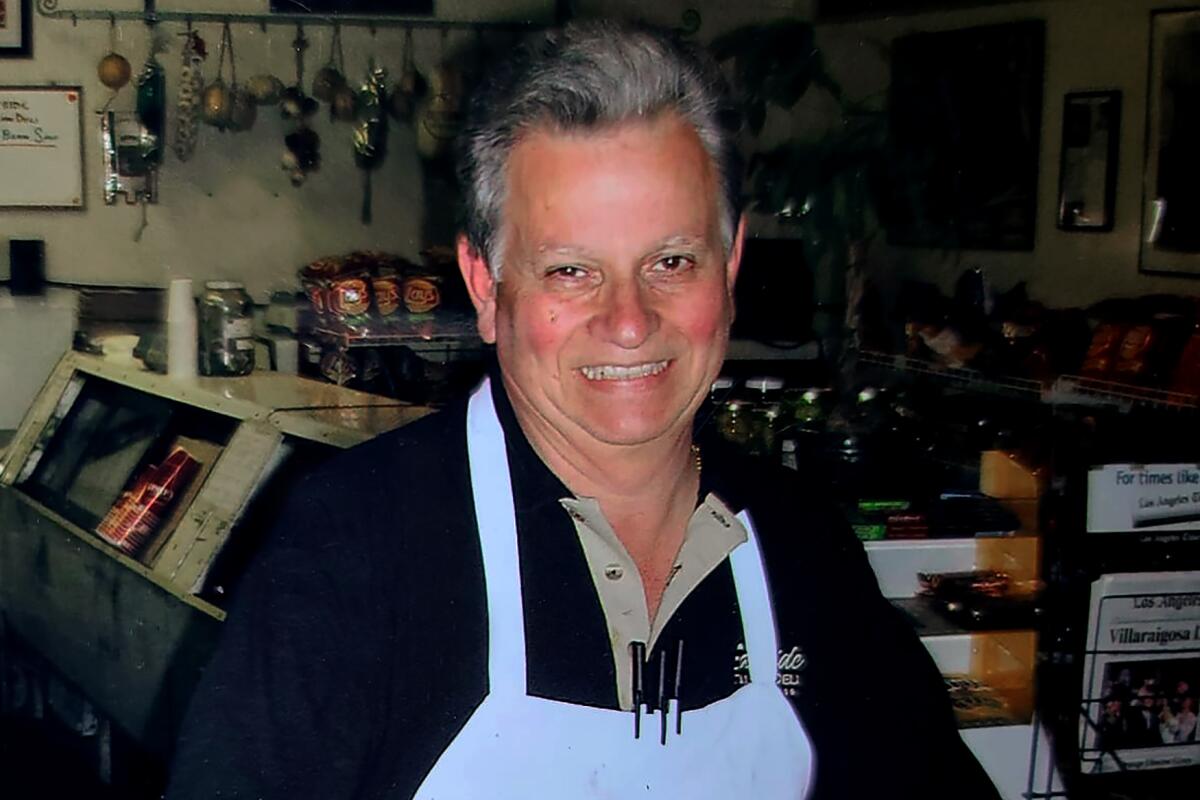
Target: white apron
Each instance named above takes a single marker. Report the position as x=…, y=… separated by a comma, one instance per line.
x=749, y=745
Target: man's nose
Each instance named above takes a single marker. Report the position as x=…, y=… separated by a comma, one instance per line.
x=628, y=317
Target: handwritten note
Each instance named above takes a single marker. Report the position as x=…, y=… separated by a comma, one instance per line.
x=20, y=126
x=41, y=157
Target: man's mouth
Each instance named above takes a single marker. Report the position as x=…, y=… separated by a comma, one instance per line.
x=613, y=372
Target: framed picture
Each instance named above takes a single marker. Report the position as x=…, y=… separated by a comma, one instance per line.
x=16, y=18
x=1087, y=177
x=965, y=125
x=1170, y=204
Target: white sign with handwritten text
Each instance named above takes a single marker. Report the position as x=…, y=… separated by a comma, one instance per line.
x=41, y=154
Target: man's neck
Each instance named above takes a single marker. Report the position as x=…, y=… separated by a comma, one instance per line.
x=646, y=484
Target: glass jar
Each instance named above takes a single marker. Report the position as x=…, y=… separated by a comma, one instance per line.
x=808, y=408
x=733, y=423
x=765, y=422
x=226, y=329
x=764, y=390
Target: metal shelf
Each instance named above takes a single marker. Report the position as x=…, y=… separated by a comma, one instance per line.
x=1066, y=389
x=150, y=15
x=411, y=330
x=1075, y=388
x=957, y=376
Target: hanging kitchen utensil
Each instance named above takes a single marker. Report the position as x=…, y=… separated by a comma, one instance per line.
x=243, y=110
x=113, y=70
x=265, y=89
x=152, y=100
x=302, y=154
x=191, y=89
x=439, y=115
x=343, y=102
x=217, y=102
x=331, y=77
x=409, y=87
x=370, y=131
x=293, y=102
x=344, y=106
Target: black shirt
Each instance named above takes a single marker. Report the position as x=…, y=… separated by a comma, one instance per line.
x=356, y=646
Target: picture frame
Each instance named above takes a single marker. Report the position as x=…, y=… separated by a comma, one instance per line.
x=1170, y=237
x=1087, y=178
x=16, y=29
x=964, y=129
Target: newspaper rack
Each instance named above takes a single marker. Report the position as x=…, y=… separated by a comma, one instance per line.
x=1140, y=683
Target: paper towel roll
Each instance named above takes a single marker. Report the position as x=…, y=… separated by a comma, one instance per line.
x=182, y=353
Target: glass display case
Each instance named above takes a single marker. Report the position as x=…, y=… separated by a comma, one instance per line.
x=129, y=504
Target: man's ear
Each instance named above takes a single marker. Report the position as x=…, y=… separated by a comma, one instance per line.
x=480, y=285
x=734, y=261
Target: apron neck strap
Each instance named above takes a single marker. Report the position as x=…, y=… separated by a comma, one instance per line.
x=758, y=614
x=496, y=519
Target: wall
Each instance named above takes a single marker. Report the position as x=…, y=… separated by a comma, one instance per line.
x=231, y=212
x=1090, y=44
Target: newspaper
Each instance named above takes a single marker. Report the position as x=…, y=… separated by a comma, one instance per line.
x=1141, y=677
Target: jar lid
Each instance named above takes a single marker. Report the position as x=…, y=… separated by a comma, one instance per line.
x=721, y=384
x=765, y=384
x=224, y=285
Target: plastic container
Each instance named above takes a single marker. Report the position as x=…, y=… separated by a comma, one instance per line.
x=181, y=330
x=226, y=329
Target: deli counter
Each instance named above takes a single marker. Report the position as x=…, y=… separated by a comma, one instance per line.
x=129, y=503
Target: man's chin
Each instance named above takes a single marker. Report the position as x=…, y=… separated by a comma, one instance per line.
x=621, y=430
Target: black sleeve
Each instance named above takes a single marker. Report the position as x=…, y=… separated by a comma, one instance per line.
x=284, y=708
x=883, y=706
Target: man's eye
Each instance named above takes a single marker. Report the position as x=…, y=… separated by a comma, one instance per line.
x=567, y=272
x=669, y=264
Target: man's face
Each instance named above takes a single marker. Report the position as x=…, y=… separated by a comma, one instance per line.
x=612, y=316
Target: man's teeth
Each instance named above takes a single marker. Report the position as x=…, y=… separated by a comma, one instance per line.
x=616, y=373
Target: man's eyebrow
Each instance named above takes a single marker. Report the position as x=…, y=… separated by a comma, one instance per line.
x=683, y=240
x=680, y=240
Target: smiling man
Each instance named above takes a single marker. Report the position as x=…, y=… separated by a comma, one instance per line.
x=558, y=588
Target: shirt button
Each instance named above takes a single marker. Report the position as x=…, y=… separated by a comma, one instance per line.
x=614, y=572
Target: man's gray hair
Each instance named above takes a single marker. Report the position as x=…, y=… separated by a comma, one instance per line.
x=589, y=76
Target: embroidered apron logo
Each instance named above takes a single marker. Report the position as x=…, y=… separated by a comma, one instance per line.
x=789, y=667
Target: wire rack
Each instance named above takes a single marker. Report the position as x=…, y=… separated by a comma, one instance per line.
x=1065, y=390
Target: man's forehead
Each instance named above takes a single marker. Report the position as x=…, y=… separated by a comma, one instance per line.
x=526, y=172
x=550, y=135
